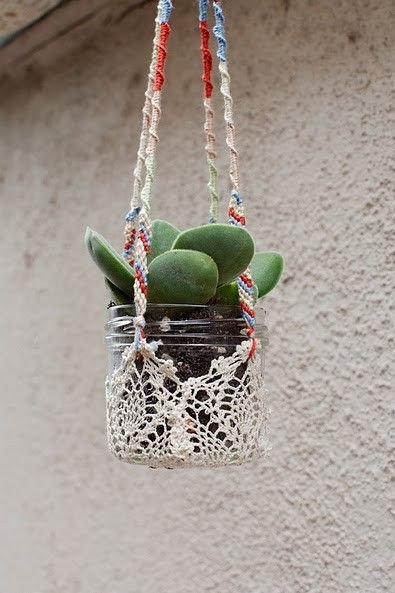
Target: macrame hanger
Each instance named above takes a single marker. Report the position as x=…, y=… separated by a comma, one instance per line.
x=235, y=209
x=207, y=66
x=139, y=170
x=138, y=224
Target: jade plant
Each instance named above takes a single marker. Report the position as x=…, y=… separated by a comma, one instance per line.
x=197, y=266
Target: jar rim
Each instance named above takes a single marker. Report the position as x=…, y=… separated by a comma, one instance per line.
x=229, y=313
x=158, y=306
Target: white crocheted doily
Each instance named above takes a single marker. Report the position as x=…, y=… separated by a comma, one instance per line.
x=156, y=419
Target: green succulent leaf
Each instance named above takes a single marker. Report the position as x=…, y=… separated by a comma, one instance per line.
x=113, y=266
x=163, y=236
x=117, y=295
x=228, y=294
x=266, y=268
x=231, y=247
x=182, y=276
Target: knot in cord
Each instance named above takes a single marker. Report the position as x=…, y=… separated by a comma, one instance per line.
x=139, y=322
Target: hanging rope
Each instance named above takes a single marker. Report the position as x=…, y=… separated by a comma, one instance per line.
x=207, y=64
x=130, y=231
x=138, y=226
x=143, y=239
x=235, y=209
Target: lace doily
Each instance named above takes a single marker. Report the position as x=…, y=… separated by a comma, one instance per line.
x=156, y=419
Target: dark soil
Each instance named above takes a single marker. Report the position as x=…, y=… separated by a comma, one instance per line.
x=192, y=347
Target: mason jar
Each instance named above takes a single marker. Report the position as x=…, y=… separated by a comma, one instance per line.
x=198, y=400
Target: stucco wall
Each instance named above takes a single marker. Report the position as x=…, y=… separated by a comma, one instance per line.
x=314, y=89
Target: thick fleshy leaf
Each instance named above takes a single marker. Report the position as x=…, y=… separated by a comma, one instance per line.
x=231, y=247
x=117, y=295
x=163, y=236
x=113, y=266
x=228, y=294
x=182, y=276
x=266, y=268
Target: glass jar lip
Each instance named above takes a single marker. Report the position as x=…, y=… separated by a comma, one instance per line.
x=190, y=306
x=227, y=313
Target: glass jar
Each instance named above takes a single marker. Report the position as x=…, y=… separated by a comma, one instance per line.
x=199, y=400
x=199, y=332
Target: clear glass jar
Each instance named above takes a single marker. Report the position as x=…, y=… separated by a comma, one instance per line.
x=198, y=401
x=199, y=332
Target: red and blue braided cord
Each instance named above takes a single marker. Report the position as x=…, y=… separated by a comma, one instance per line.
x=207, y=59
x=144, y=229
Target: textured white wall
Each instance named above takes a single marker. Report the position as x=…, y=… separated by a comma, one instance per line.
x=15, y=14
x=314, y=90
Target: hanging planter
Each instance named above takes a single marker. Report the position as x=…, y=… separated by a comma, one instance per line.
x=185, y=384
x=198, y=401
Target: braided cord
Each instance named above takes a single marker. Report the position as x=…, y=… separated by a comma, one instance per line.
x=130, y=231
x=235, y=210
x=138, y=226
x=207, y=64
x=143, y=238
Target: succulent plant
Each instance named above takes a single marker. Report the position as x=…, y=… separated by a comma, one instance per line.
x=231, y=247
x=163, y=236
x=113, y=266
x=182, y=276
x=196, y=266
